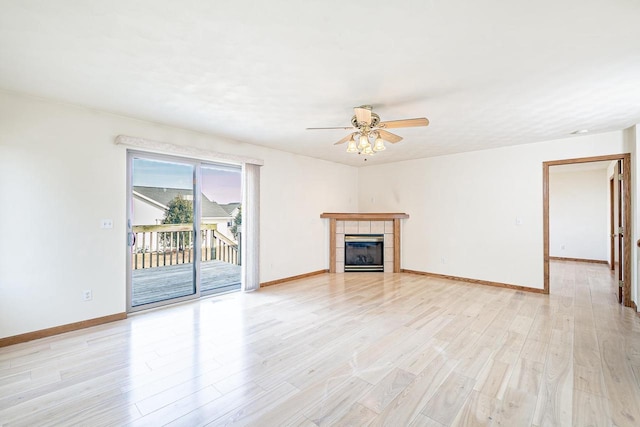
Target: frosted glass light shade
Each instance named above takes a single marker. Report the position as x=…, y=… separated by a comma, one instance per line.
x=379, y=145
x=351, y=147
x=364, y=141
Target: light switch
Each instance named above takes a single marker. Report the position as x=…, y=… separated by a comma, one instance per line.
x=106, y=223
x=518, y=221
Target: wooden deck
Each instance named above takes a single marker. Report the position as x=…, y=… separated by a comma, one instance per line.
x=173, y=281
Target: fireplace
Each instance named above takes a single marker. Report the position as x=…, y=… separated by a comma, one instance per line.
x=363, y=252
x=379, y=223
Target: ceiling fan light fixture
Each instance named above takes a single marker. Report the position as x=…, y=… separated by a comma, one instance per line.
x=351, y=146
x=379, y=144
x=363, y=142
x=365, y=123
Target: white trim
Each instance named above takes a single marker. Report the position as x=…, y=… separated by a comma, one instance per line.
x=180, y=150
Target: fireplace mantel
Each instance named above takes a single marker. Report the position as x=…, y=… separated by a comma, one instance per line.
x=388, y=222
x=354, y=216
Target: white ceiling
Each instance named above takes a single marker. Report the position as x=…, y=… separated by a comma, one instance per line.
x=486, y=73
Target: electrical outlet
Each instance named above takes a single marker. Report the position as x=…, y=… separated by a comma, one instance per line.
x=562, y=247
x=87, y=295
x=106, y=223
x=443, y=260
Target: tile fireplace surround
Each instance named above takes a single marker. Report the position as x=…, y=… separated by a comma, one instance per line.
x=387, y=224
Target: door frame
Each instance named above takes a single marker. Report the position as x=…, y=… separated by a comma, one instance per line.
x=626, y=177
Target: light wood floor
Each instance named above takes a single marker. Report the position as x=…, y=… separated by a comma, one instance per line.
x=347, y=349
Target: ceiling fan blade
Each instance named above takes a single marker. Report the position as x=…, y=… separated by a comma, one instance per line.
x=363, y=114
x=340, y=127
x=345, y=139
x=406, y=123
x=388, y=136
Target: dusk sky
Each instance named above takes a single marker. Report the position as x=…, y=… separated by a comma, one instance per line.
x=220, y=183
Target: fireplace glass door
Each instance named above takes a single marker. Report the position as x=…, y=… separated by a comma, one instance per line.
x=363, y=252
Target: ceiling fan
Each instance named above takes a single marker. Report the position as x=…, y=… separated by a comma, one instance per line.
x=365, y=124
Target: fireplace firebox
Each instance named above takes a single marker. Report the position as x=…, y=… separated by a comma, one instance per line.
x=363, y=252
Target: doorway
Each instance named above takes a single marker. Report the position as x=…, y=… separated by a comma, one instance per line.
x=624, y=189
x=184, y=226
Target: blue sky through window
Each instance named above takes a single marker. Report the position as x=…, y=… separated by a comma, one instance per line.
x=219, y=183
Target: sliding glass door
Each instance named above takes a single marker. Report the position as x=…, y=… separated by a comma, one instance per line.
x=161, y=231
x=183, y=229
x=221, y=226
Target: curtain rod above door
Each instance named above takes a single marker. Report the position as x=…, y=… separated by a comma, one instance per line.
x=185, y=151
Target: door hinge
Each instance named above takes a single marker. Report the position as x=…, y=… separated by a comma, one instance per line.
x=621, y=230
x=620, y=283
x=620, y=177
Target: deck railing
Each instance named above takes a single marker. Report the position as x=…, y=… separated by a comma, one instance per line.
x=171, y=244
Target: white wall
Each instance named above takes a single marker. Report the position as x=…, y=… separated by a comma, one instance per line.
x=464, y=207
x=632, y=140
x=578, y=212
x=61, y=173
x=610, y=174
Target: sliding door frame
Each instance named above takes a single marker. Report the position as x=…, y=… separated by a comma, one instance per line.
x=197, y=219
